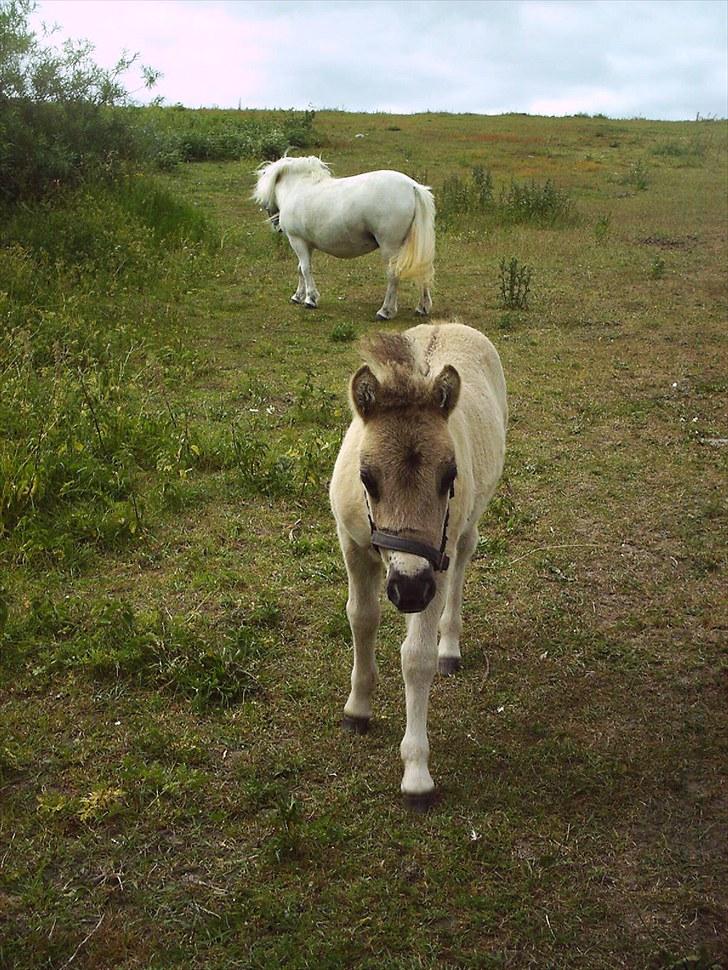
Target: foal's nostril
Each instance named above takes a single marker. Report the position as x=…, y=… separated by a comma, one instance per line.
x=411, y=594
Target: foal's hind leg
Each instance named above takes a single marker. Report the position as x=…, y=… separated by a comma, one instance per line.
x=451, y=621
x=306, y=292
x=425, y=304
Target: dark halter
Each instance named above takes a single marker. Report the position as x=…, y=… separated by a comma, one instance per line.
x=382, y=539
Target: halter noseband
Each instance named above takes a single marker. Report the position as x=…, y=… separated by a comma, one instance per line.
x=383, y=539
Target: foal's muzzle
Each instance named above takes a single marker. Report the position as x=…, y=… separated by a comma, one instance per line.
x=411, y=594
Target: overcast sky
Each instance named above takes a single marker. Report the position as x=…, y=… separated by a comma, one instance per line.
x=624, y=58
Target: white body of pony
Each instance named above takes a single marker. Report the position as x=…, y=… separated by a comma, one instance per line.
x=417, y=467
x=349, y=217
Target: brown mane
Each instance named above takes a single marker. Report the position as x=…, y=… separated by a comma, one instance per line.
x=404, y=381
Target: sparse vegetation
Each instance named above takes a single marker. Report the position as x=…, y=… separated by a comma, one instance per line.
x=637, y=176
x=657, y=268
x=343, y=333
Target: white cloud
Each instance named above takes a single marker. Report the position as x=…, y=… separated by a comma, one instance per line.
x=657, y=58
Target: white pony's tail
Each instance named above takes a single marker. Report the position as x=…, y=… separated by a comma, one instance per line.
x=416, y=258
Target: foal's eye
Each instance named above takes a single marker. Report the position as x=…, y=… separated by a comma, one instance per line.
x=370, y=483
x=446, y=482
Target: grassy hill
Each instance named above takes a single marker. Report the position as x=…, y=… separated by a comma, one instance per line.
x=174, y=786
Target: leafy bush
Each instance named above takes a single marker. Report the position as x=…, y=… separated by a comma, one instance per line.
x=57, y=126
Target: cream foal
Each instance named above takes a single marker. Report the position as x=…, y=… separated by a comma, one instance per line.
x=417, y=467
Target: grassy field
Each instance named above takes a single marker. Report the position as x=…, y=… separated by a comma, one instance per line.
x=175, y=790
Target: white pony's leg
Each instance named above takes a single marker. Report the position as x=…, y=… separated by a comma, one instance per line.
x=364, y=569
x=419, y=661
x=451, y=622
x=310, y=294
x=425, y=304
x=388, y=309
x=300, y=295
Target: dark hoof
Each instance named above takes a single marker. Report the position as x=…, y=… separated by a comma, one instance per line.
x=311, y=306
x=296, y=301
x=421, y=313
x=381, y=316
x=422, y=803
x=357, y=725
x=449, y=665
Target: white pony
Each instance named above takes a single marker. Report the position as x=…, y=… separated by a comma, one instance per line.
x=349, y=217
x=417, y=467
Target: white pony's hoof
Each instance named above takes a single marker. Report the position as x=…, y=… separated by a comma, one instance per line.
x=310, y=306
x=384, y=316
x=419, y=312
x=296, y=300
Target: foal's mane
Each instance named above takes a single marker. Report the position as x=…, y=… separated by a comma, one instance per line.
x=401, y=369
x=308, y=166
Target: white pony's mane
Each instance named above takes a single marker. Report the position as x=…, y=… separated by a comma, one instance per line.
x=307, y=166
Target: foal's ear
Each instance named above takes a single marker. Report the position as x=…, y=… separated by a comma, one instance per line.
x=364, y=390
x=446, y=389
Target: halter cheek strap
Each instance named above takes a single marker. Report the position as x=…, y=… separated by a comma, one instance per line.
x=382, y=539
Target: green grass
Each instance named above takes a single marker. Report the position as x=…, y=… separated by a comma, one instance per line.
x=174, y=788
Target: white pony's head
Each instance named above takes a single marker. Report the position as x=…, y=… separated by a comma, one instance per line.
x=269, y=173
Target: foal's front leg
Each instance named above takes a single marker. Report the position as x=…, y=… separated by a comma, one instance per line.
x=419, y=662
x=306, y=292
x=364, y=568
x=451, y=622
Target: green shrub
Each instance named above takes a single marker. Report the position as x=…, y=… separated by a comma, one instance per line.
x=83, y=285
x=515, y=281
x=57, y=123
x=544, y=205
x=464, y=196
x=541, y=205
x=173, y=136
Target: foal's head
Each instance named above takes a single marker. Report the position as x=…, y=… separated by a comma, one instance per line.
x=406, y=459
